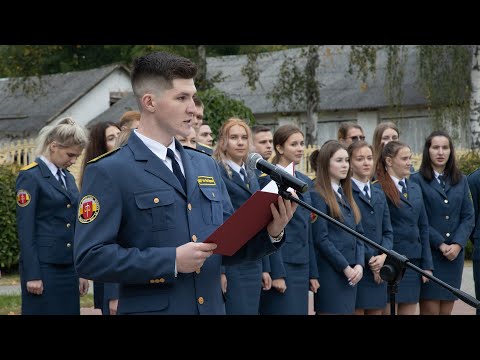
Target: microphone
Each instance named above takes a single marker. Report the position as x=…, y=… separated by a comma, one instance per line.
x=255, y=161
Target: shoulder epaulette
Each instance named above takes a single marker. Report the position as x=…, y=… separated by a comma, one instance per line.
x=200, y=151
x=207, y=146
x=374, y=182
x=29, y=166
x=103, y=155
x=263, y=174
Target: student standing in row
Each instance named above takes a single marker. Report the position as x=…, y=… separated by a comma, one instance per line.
x=451, y=218
x=372, y=290
x=241, y=283
x=47, y=199
x=409, y=221
x=293, y=268
x=340, y=255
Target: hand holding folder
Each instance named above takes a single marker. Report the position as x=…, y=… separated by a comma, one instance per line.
x=254, y=215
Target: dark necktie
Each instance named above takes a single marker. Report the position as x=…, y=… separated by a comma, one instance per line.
x=60, y=179
x=340, y=191
x=245, y=180
x=404, y=189
x=176, y=169
x=365, y=189
x=441, y=178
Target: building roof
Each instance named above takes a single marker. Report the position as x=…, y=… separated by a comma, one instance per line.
x=115, y=112
x=339, y=90
x=22, y=113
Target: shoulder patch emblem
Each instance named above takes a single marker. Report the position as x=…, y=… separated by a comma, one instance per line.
x=88, y=209
x=313, y=217
x=29, y=166
x=103, y=155
x=23, y=198
x=206, y=181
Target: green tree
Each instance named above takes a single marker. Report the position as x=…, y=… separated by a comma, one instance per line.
x=9, y=245
x=219, y=108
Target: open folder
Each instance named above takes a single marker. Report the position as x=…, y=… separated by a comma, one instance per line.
x=244, y=223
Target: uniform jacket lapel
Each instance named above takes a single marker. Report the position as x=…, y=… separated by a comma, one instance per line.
x=191, y=173
x=361, y=195
x=237, y=179
x=153, y=165
x=435, y=184
x=46, y=173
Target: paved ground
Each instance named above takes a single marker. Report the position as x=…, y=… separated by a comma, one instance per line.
x=460, y=308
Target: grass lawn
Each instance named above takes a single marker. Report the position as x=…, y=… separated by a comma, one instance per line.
x=11, y=304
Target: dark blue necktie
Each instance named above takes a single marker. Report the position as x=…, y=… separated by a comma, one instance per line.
x=365, y=189
x=176, y=169
x=60, y=178
x=245, y=180
x=404, y=189
x=441, y=178
x=340, y=191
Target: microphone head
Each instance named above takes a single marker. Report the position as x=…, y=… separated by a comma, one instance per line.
x=252, y=160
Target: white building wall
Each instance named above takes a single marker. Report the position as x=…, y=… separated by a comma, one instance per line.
x=97, y=100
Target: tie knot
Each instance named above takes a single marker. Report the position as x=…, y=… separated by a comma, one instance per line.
x=59, y=173
x=402, y=184
x=340, y=190
x=365, y=188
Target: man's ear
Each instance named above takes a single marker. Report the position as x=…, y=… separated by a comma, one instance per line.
x=148, y=102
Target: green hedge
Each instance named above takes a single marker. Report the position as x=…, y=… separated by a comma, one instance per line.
x=9, y=246
x=468, y=162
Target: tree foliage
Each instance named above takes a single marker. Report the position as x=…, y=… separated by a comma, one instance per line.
x=219, y=108
x=9, y=245
x=443, y=76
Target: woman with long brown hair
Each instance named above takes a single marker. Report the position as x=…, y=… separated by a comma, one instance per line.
x=340, y=255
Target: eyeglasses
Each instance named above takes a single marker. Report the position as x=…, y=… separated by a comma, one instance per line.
x=356, y=138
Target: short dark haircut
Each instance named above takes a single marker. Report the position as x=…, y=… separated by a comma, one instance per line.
x=162, y=67
x=260, y=128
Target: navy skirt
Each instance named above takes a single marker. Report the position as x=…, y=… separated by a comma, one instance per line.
x=371, y=295
x=335, y=295
x=410, y=285
x=294, y=301
x=61, y=295
x=447, y=271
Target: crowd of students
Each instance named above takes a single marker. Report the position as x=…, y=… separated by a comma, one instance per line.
x=138, y=227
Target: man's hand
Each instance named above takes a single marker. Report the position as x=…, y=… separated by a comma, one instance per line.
x=83, y=286
x=35, y=287
x=281, y=216
x=266, y=281
x=191, y=256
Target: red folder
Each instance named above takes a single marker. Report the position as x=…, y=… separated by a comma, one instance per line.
x=244, y=223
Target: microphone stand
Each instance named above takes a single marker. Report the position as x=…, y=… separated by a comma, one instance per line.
x=394, y=267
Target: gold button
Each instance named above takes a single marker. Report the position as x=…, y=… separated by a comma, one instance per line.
x=69, y=244
x=162, y=280
x=194, y=238
x=69, y=206
x=445, y=201
x=197, y=271
x=68, y=225
x=152, y=281
x=157, y=281
x=201, y=300
x=189, y=206
x=156, y=200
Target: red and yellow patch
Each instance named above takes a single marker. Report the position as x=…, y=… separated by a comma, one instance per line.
x=88, y=209
x=313, y=217
x=23, y=198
